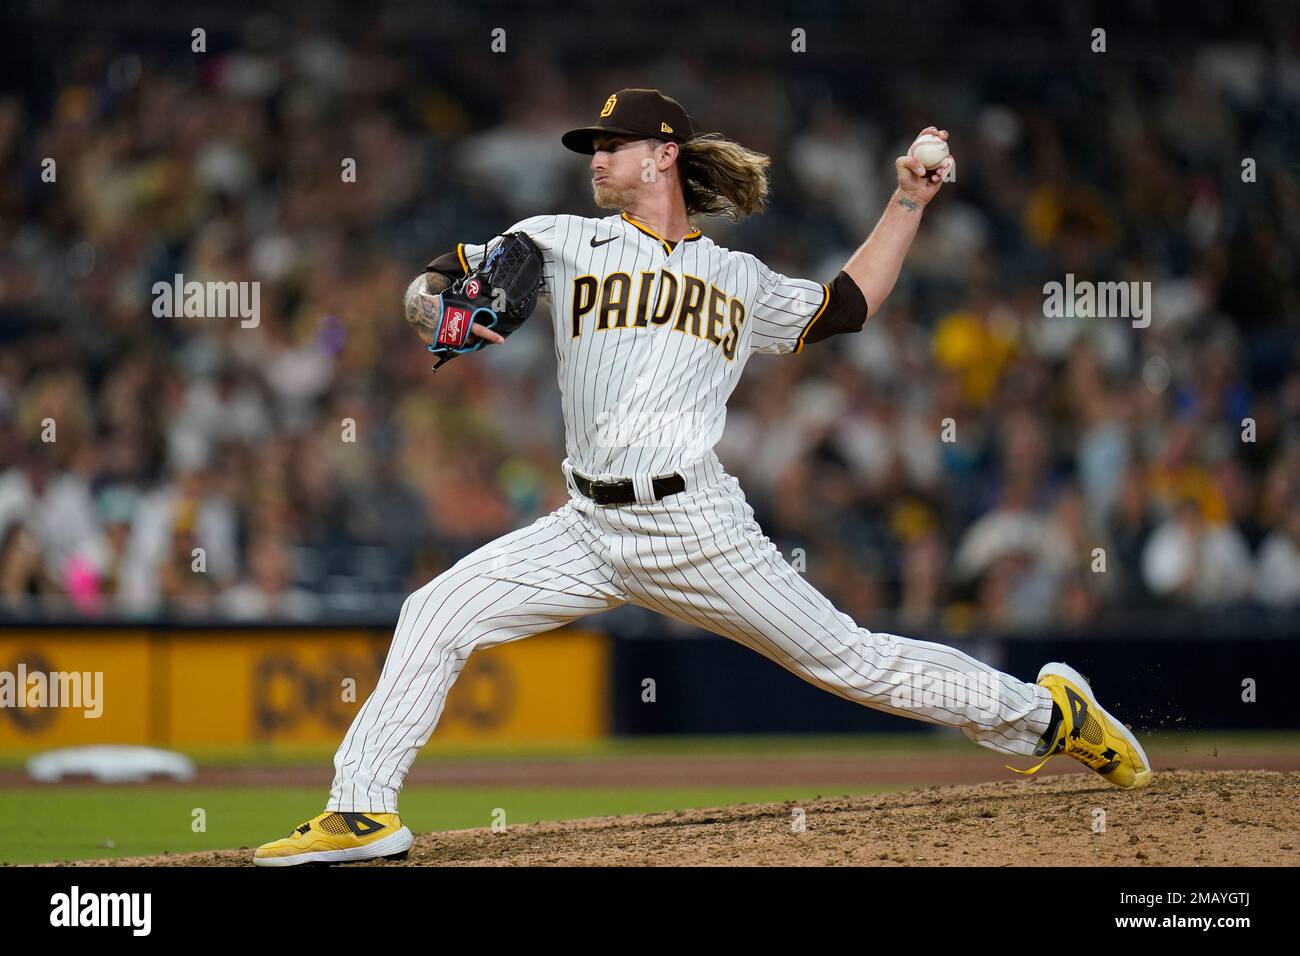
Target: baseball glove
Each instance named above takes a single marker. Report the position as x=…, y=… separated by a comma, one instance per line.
x=499, y=295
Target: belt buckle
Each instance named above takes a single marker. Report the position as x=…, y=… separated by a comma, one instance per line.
x=596, y=488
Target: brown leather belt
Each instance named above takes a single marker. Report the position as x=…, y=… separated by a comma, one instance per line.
x=622, y=493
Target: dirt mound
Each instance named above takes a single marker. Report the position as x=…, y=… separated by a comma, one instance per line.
x=1186, y=817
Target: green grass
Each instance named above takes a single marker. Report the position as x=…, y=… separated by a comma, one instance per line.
x=69, y=823
x=40, y=824
x=934, y=742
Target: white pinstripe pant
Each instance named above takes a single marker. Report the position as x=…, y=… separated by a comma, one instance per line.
x=697, y=556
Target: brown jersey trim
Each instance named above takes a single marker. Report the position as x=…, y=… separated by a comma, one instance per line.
x=668, y=247
x=843, y=310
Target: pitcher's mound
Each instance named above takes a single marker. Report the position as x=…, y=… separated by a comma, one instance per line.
x=1184, y=818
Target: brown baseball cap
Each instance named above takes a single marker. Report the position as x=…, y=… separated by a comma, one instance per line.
x=646, y=113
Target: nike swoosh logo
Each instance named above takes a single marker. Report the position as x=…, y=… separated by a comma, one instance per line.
x=594, y=243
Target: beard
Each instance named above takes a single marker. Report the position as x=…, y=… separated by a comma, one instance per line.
x=609, y=197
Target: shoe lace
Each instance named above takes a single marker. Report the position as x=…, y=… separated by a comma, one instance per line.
x=1087, y=744
x=1096, y=756
x=1036, y=767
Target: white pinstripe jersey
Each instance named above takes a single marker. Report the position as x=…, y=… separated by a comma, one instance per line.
x=650, y=340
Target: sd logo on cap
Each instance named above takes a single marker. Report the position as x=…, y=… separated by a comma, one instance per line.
x=645, y=113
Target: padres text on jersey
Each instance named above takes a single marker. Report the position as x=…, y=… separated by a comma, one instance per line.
x=651, y=338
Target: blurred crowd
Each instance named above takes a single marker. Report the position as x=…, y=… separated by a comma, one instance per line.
x=964, y=459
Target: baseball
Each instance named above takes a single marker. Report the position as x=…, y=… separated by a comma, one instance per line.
x=931, y=150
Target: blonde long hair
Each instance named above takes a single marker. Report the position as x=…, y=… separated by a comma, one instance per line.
x=721, y=177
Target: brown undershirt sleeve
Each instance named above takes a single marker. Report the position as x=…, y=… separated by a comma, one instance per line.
x=845, y=311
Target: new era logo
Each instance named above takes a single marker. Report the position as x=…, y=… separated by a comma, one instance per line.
x=665, y=128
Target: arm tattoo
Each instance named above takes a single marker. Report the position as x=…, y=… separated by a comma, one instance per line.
x=412, y=290
x=911, y=205
x=420, y=308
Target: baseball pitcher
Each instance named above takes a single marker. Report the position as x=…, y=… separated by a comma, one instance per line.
x=654, y=324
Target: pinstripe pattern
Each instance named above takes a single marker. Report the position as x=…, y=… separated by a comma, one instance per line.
x=666, y=390
x=471, y=605
x=698, y=556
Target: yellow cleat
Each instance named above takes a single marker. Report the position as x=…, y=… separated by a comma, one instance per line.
x=1089, y=734
x=336, y=837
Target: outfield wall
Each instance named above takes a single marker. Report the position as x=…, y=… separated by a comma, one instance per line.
x=177, y=688
x=1233, y=683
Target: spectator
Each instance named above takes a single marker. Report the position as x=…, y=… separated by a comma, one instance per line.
x=1190, y=560
x=266, y=592
x=960, y=401
x=1278, y=578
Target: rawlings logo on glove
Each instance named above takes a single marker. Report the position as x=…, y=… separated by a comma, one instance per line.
x=454, y=327
x=499, y=295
